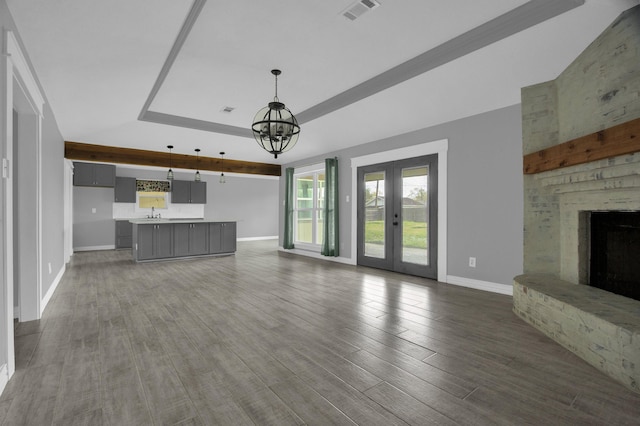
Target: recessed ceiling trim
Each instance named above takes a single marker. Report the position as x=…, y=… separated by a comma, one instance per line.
x=505, y=25
x=522, y=17
x=192, y=123
x=187, y=25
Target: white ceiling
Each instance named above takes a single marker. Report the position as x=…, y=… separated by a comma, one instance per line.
x=103, y=64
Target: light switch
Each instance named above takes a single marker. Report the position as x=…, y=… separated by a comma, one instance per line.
x=93, y=210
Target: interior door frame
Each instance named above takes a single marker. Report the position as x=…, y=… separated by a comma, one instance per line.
x=18, y=90
x=439, y=147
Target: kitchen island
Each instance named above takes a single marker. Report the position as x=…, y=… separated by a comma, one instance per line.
x=158, y=239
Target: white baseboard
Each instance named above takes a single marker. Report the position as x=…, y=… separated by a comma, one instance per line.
x=4, y=377
x=464, y=282
x=94, y=248
x=273, y=237
x=481, y=285
x=317, y=255
x=52, y=289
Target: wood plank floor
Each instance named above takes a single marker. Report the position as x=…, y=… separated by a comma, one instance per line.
x=269, y=338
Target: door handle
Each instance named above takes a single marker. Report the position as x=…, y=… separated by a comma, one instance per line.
x=395, y=223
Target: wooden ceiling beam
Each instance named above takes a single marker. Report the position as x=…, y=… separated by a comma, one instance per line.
x=110, y=154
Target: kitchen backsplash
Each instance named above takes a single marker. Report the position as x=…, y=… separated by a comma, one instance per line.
x=132, y=211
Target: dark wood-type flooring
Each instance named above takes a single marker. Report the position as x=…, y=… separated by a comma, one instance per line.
x=269, y=338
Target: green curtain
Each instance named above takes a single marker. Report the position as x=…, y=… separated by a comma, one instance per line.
x=330, y=243
x=288, y=209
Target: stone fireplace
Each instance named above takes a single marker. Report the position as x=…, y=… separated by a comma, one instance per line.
x=605, y=185
x=581, y=135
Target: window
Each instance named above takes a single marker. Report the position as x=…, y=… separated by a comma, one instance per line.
x=309, y=205
x=157, y=200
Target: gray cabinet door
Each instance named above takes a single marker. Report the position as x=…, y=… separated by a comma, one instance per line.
x=181, y=191
x=124, y=234
x=125, y=191
x=104, y=175
x=187, y=191
x=190, y=239
x=199, y=238
x=92, y=174
x=82, y=174
x=215, y=238
x=164, y=240
x=145, y=241
x=198, y=192
x=222, y=237
x=228, y=237
x=181, y=233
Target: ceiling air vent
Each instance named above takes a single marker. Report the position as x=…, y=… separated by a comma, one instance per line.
x=357, y=9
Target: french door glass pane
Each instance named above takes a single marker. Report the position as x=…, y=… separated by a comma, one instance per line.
x=415, y=217
x=374, y=221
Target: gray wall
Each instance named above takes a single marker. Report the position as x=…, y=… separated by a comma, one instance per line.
x=93, y=229
x=250, y=201
x=52, y=172
x=52, y=199
x=484, y=191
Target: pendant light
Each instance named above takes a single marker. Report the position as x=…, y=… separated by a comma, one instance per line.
x=274, y=127
x=222, y=178
x=197, y=177
x=170, y=172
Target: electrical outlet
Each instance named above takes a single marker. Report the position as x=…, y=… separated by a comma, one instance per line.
x=93, y=210
x=472, y=262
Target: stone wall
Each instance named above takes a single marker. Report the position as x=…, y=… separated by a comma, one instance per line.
x=600, y=89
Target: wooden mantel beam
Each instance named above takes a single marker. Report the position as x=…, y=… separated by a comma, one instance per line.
x=617, y=140
x=109, y=154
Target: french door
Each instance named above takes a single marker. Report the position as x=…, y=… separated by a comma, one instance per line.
x=397, y=216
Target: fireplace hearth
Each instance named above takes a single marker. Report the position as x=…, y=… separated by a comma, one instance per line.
x=615, y=252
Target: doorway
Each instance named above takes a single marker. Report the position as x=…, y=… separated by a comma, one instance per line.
x=22, y=95
x=397, y=217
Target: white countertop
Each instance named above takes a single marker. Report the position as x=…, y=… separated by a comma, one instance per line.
x=144, y=221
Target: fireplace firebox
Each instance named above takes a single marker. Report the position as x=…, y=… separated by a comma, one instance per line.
x=615, y=252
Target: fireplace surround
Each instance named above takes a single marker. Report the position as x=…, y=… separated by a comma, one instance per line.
x=605, y=185
x=577, y=114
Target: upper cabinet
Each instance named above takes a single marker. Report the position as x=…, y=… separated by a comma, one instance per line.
x=188, y=191
x=125, y=191
x=94, y=174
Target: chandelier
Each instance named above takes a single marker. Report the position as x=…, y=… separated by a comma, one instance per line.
x=274, y=126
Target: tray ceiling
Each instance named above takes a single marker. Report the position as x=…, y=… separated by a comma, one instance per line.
x=149, y=73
